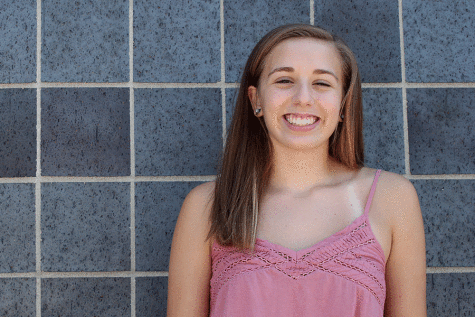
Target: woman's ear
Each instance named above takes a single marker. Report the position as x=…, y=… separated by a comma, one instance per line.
x=252, y=93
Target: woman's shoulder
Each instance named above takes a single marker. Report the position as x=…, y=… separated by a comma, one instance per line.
x=199, y=199
x=396, y=196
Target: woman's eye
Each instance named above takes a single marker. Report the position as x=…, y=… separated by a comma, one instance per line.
x=322, y=83
x=284, y=81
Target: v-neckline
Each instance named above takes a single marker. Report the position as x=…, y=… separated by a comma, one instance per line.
x=297, y=253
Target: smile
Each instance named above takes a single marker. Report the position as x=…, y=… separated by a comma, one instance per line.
x=300, y=120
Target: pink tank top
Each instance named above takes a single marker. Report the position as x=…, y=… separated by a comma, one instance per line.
x=342, y=275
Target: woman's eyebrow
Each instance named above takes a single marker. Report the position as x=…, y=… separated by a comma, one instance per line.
x=290, y=70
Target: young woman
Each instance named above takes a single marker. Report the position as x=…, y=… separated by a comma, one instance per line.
x=294, y=225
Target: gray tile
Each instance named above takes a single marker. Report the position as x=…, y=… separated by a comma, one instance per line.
x=245, y=22
x=105, y=297
x=177, y=41
x=18, y=34
x=439, y=41
x=231, y=98
x=449, y=221
x=85, y=41
x=151, y=296
x=451, y=294
x=85, y=132
x=17, y=132
x=85, y=227
x=177, y=131
x=17, y=228
x=383, y=129
x=18, y=297
x=157, y=206
x=371, y=30
x=441, y=133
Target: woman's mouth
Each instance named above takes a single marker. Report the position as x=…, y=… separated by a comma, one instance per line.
x=300, y=120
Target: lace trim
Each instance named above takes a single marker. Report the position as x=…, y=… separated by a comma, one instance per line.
x=229, y=262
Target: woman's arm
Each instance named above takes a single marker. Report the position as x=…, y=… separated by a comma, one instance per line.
x=190, y=263
x=406, y=265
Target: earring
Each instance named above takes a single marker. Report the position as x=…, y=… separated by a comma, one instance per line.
x=342, y=116
x=257, y=111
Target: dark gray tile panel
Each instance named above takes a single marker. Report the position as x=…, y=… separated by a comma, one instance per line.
x=383, y=129
x=151, y=296
x=157, y=206
x=448, y=210
x=177, y=41
x=85, y=227
x=17, y=297
x=441, y=130
x=17, y=132
x=85, y=297
x=451, y=294
x=18, y=46
x=245, y=22
x=177, y=131
x=371, y=30
x=231, y=98
x=85, y=132
x=17, y=228
x=438, y=40
x=85, y=41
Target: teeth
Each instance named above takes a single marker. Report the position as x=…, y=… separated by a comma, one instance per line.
x=299, y=121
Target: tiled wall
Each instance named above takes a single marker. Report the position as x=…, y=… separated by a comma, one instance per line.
x=111, y=111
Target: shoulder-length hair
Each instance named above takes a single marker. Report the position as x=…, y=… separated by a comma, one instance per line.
x=247, y=158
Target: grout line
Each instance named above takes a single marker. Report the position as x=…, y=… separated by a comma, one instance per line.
x=132, y=297
x=208, y=178
x=129, y=274
x=132, y=156
x=404, y=94
x=312, y=12
x=125, y=274
x=223, y=71
x=439, y=270
x=442, y=177
x=216, y=85
x=38, y=160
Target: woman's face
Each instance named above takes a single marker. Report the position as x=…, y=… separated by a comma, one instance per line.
x=300, y=92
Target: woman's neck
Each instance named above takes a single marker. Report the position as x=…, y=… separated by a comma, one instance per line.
x=300, y=171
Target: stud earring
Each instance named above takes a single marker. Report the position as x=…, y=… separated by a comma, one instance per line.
x=257, y=111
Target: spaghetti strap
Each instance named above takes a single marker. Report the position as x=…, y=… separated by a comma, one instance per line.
x=371, y=192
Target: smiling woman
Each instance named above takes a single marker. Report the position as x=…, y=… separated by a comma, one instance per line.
x=294, y=224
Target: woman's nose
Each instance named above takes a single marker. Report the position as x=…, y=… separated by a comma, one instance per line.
x=303, y=95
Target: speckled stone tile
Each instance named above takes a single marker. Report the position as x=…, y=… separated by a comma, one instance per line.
x=441, y=133
x=383, y=129
x=157, y=206
x=85, y=227
x=231, y=97
x=438, y=40
x=17, y=228
x=105, y=297
x=85, y=132
x=177, y=41
x=17, y=132
x=151, y=296
x=177, y=131
x=449, y=221
x=18, y=41
x=451, y=294
x=371, y=30
x=17, y=297
x=245, y=22
x=85, y=41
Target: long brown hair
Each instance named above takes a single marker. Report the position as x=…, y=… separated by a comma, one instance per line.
x=247, y=165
